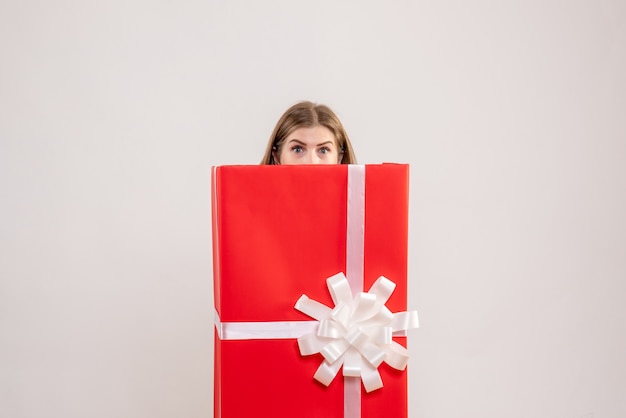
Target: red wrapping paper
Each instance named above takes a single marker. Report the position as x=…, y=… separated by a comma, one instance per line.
x=278, y=233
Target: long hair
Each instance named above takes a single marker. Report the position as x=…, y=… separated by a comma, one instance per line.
x=307, y=115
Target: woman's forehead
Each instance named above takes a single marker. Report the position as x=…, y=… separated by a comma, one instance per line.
x=312, y=133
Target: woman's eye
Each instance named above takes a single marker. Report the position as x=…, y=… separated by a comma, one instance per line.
x=324, y=150
x=296, y=148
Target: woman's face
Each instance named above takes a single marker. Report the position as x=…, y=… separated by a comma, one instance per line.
x=314, y=145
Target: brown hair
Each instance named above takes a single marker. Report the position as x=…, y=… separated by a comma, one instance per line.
x=307, y=114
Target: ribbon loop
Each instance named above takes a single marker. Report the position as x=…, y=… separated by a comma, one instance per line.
x=405, y=320
x=365, y=307
x=382, y=288
x=312, y=308
x=339, y=289
x=331, y=329
x=397, y=356
x=352, y=363
x=310, y=344
x=327, y=372
x=371, y=378
x=334, y=350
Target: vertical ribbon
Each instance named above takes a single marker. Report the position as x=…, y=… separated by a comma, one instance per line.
x=355, y=233
x=355, y=258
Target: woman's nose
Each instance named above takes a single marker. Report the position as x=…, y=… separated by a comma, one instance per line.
x=312, y=158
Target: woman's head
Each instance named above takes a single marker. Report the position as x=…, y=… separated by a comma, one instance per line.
x=309, y=133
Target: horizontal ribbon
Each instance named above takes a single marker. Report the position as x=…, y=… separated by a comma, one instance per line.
x=277, y=330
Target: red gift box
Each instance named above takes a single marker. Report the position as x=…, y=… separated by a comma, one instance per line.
x=278, y=233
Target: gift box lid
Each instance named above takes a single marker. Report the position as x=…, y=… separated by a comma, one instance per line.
x=280, y=231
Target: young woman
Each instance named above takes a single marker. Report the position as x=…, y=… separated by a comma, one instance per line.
x=309, y=133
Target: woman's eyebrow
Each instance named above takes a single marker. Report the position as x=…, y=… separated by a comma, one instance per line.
x=326, y=143
x=304, y=143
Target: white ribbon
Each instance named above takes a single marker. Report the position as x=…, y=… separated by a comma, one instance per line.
x=357, y=333
x=277, y=330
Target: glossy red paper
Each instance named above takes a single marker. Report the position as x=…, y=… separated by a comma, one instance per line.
x=278, y=233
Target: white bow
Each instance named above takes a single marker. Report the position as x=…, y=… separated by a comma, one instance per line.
x=357, y=333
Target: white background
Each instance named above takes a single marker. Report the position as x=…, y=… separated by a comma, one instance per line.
x=512, y=115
